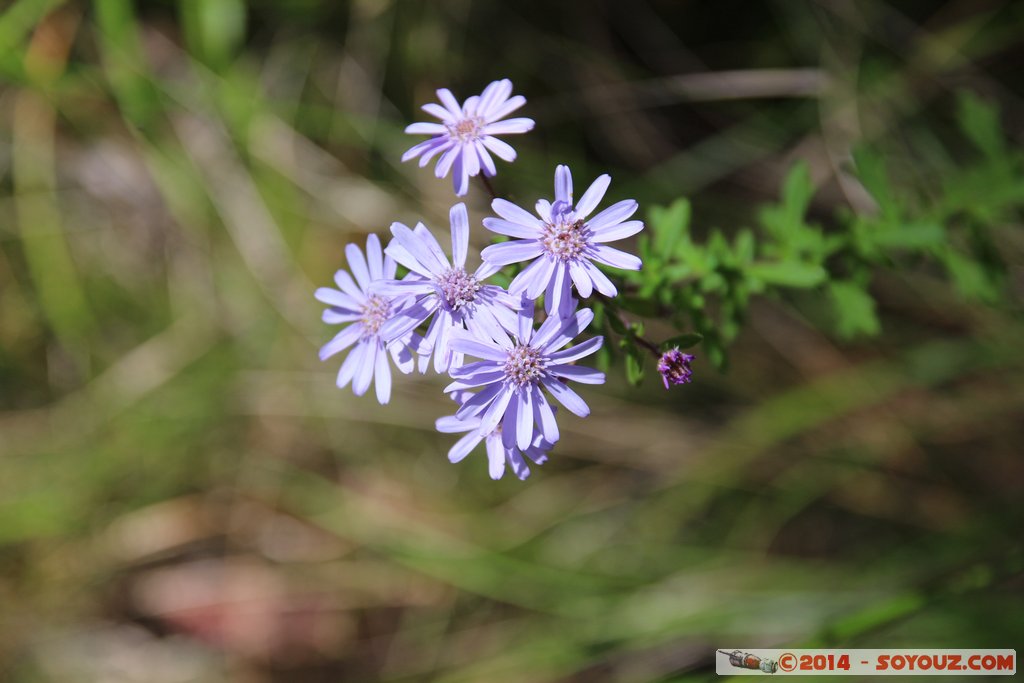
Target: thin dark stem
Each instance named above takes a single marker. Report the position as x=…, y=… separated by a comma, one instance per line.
x=487, y=184
x=611, y=309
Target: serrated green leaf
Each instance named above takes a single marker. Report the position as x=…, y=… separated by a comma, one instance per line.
x=909, y=236
x=669, y=225
x=634, y=365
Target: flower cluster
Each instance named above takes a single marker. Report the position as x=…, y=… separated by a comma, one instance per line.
x=508, y=360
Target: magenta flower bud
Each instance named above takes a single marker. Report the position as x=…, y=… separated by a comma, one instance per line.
x=674, y=366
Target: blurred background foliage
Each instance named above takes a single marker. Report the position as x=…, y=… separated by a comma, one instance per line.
x=185, y=496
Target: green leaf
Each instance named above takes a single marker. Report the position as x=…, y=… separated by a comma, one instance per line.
x=634, y=365
x=682, y=341
x=980, y=122
x=854, y=309
x=873, y=175
x=789, y=274
x=909, y=236
x=669, y=225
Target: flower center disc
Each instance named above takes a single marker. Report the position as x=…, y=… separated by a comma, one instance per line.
x=466, y=129
x=376, y=311
x=523, y=366
x=458, y=288
x=564, y=240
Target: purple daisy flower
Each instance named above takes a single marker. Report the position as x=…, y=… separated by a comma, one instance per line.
x=563, y=243
x=465, y=136
x=498, y=454
x=456, y=299
x=355, y=302
x=512, y=374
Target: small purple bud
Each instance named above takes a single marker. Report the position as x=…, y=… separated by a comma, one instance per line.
x=674, y=366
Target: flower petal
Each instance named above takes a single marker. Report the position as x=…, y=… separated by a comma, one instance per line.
x=515, y=214
x=579, y=276
x=574, y=353
x=515, y=251
x=364, y=374
x=617, y=232
x=499, y=147
x=353, y=362
x=341, y=341
x=578, y=373
x=567, y=397
x=357, y=264
x=611, y=256
x=440, y=112
x=563, y=184
x=374, y=257
x=510, y=106
x=509, y=127
x=495, y=459
x=382, y=377
x=616, y=213
x=425, y=129
x=449, y=102
x=478, y=349
x=464, y=447
x=459, y=219
x=593, y=196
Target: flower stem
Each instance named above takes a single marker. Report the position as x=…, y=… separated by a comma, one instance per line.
x=487, y=184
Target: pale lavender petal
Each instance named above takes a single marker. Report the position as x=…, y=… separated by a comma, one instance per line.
x=503, y=227
x=442, y=353
x=499, y=147
x=514, y=214
x=425, y=129
x=509, y=420
x=510, y=106
x=460, y=175
x=402, y=287
x=382, y=377
x=617, y=232
x=444, y=164
x=469, y=107
x=374, y=257
x=357, y=264
x=421, y=147
x=563, y=184
x=505, y=253
x=517, y=463
x=493, y=96
x=333, y=297
x=440, y=145
x=401, y=356
x=543, y=209
x=509, y=127
x=336, y=316
x=495, y=459
x=364, y=374
x=600, y=280
x=432, y=244
x=353, y=362
x=562, y=329
x=459, y=219
x=341, y=341
x=476, y=403
x=440, y=112
x=567, y=397
x=347, y=285
x=472, y=369
x=574, y=353
x=470, y=160
x=593, y=196
x=616, y=213
x=449, y=424
x=524, y=419
x=492, y=416
x=419, y=248
x=409, y=319
x=449, y=102
x=544, y=415
x=477, y=349
x=478, y=380
x=578, y=373
x=486, y=162
x=558, y=289
x=611, y=256
x=524, y=328
x=401, y=255
x=464, y=447
x=579, y=276
x=390, y=268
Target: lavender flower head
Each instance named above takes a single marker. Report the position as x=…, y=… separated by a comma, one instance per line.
x=513, y=372
x=466, y=135
x=357, y=303
x=563, y=243
x=674, y=366
x=498, y=454
x=445, y=290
